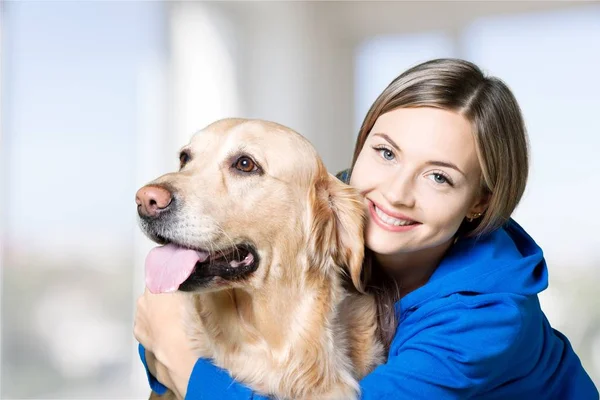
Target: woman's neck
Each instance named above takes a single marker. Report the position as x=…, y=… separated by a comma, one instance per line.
x=412, y=270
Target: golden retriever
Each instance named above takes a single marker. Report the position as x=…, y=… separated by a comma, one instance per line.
x=270, y=247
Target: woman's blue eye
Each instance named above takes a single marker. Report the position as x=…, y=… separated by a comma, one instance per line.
x=387, y=154
x=384, y=152
x=439, y=178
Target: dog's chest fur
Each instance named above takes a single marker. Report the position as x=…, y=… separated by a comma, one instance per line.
x=319, y=351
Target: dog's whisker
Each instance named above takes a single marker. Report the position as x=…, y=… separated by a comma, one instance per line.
x=211, y=243
x=210, y=259
x=222, y=232
x=233, y=246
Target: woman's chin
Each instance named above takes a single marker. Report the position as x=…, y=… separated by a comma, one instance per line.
x=380, y=246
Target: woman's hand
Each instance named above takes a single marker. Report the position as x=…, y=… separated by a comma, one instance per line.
x=160, y=327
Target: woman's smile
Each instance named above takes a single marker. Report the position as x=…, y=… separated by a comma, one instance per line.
x=391, y=221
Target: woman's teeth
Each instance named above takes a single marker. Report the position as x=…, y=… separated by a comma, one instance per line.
x=391, y=220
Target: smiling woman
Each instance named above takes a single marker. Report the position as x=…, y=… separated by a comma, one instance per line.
x=442, y=154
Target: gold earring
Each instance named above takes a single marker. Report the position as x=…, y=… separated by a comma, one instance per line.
x=474, y=217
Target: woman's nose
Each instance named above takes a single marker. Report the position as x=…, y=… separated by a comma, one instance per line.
x=399, y=190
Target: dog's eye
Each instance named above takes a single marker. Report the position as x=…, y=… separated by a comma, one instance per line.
x=184, y=157
x=245, y=164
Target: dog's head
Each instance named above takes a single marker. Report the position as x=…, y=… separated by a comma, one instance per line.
x=252, y=203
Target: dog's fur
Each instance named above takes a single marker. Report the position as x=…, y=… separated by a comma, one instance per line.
x=297, y=327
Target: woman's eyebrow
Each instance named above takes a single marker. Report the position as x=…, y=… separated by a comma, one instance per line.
x=389, y=139
x=445, y=164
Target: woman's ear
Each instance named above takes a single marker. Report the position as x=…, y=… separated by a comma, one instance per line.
x=479, y=206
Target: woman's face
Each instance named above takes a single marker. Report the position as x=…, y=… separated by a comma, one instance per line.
x=420, y=176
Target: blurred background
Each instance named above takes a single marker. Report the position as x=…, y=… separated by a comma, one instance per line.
x=97, y=97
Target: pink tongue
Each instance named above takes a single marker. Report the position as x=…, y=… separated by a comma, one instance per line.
x=169, y=266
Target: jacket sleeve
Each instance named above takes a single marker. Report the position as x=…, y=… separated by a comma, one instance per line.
x=207, y=382
x=155, y=385
x=344, y=176
x=453, y=354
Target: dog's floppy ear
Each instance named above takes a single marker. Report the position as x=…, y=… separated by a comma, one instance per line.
x=337, y=227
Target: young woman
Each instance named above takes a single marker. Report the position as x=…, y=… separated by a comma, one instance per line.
x=442, y=162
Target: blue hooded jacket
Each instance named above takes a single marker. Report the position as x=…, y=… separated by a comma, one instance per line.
x=475, y=330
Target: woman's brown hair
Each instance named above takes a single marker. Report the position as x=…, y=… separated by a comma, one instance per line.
x=500, y=138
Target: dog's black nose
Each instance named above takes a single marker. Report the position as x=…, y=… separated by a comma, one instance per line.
x=152, y=200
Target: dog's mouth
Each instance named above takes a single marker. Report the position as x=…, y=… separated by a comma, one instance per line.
x=173, y=267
